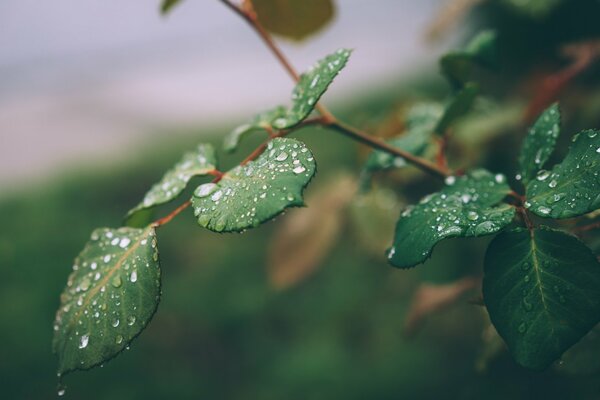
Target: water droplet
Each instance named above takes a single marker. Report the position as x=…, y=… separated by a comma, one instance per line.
x=133, y=277
x=522, y=328
x=83, y=341
x=282, y=156
x=124, y=243
x=131, y=320
x=299, y=169
x=85, y=284
x=451, y=180
x=542, y=175
x=61, y=391
x=472, y=216
x=115, y=323
x=205, y=189
x=544, y=210
x=553, y=183
x=116, y=281
x=119, y=339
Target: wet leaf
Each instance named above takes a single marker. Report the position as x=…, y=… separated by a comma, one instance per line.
x=251, y=194
x=294, y=19
x=541, y=291
x=110, y=297
x=174, y=182
x=458, y=66
x=429, y=299
x=458, y=107
x=465, y=207
x=306, y=236
x=571, y=188
x=312, y=85
x=420, y=123
x=539, y=143
x=261, y=122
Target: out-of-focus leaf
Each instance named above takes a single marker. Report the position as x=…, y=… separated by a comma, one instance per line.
x=251, y=194
x=457, y=66
x=534, y=8
x=312, y=85
x=110, y=297
x=429, y=299
x=539, y=143
x=261, y=122
x=372, y=215
x=421, y=120
x=304, y=239
x=174, y=182
x=167, y=5
x=465, y=207
x=458, y=107
x=571, y=188
x=294, y=19
x=541, y=290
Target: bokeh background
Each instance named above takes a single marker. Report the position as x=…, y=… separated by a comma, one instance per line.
x=98, y=98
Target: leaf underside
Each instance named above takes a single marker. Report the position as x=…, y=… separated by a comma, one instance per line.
x=110, y=297
x=261, y=122
x=541, y=291
x=251, y=194
x=571, y=188
x=465, y=207
x=458, y=107
x=174, y=182
x=539, y=143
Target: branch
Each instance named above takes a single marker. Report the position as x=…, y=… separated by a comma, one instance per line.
x=246, y=12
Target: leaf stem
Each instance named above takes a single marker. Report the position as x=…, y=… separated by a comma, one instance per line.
x=247, y=13
x=586, y=228
x=165, y=220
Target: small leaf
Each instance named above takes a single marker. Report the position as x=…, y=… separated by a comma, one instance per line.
x=457, y=66
x=173, y=183
x=168, y=5
x=420, y=123
x=261, y=122
x=458, y=107
x=307, y=235
x=110, y=297
x=539, y=143
x=294, y=19
x=251, y=194
x=312, y=85
x=465, y=207
x=571, y=188
x=534, y=8
x=541, y=291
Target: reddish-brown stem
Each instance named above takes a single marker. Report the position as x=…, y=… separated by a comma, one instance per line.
x=379, y=144
x=173, y=214
x=586, y=228
x=328, y=119
x=216, y=173
x=440, y=157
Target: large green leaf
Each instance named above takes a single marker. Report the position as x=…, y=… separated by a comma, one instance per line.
x=539, y=143
x=571, y=188
x=420, y=123
x=542, y=290
x=465, y=207
x=261, y=122
x=313, y=84
x=110, y=297
x=253, y=193
x=196, y=163
x=294, y=19
x=457, y=66
x=458, y=107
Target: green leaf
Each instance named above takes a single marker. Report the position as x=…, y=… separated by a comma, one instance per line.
x=534, y=8
x=539, y=143
x=458, y=107
x=457, y=66
x=312, y=85
x=465, y=207
x=294, y=19
x=167, y=5
x=420, y=123
x=251, y=194
x=173, y=183
x=541, y=289
x=261, y=122
x=110, y=297
x=571, y=188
